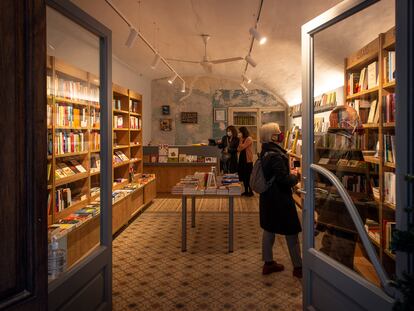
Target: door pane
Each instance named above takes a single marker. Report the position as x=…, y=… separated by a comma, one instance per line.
x=73, y=119
x=354, y=136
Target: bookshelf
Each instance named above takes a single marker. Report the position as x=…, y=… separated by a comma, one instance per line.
x=369, y=89
x=73, y=131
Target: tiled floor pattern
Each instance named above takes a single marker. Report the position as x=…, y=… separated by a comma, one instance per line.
x=151, y=273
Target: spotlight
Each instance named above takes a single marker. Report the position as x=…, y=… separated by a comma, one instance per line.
x=171, y=80
x=257, y=36
x=132, y=37
x=245, y=89
x=156, y=61
x=250, y=60
x=246, y=78
x=183, y=87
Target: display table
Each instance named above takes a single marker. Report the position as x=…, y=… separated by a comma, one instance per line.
x=193, y=215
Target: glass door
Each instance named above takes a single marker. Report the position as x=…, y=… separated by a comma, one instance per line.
x=349, y=168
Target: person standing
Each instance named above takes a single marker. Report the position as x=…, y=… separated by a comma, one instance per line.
x=245, y=150
x=228, y=145
x=278, y=213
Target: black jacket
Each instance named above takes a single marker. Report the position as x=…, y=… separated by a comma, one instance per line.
x=277, y=208
x=232, y=149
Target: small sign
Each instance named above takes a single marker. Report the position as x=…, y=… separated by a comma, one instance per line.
x=189, y=117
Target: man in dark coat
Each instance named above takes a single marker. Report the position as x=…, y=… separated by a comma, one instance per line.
x=278, y=213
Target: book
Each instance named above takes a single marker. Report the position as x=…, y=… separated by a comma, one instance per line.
x=372, y=112
x=372, y=79
x=363, y=81
x=78, y=166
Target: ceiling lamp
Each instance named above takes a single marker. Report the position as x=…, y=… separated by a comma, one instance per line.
x=132, y=37
x=261, y=39
x=244, y=88
x=246, y=78
x=183, y=87
x=156, y=61
x=250, y=61
x=171, y=80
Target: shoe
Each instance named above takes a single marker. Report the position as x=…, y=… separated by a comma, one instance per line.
x=274, y=267
x=297, y=272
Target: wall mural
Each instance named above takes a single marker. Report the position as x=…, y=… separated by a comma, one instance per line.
x=206, y=95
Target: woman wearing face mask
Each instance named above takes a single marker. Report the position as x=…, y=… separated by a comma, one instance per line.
x=278, y=213
x=245, y=150
x=229, y=144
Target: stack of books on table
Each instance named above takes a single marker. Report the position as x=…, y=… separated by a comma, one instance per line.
x=222, y=190
x=234, y=189
x=229, y=179
x=190, y=190
x=210, y=190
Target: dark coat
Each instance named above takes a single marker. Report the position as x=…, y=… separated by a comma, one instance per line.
x=277, y=208
x=232, y=149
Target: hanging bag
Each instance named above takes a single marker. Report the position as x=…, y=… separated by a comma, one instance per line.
x=258, y=182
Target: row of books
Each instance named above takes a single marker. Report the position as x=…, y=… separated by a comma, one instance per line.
x=367, y=110
x=374, y=232
x=389, y=108
x=68, y=168
x=389, y=188
x=95, y=117
x=355, y=183
x=133, y=106
x=116, y=104
x=389, y=66
x=319, y=125
x=68, y=115
x=118, y=122
x=232, y=189
x=95, y=140
x=74, y=90
x=326, y=99
x=95, y=163
x=68, y=142
x=66, y=197
x=119, y=157
x=135, y=123
x=341, y=142
x=343, y=162
x=366, y=79
x=244, y=120
x=389, y=148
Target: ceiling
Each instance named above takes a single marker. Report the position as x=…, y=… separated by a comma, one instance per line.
x=180, y=23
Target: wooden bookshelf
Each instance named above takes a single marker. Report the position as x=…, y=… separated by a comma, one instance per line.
x=129, y=141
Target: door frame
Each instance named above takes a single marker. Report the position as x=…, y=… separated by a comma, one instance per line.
x=318, y=266
x=74, y=287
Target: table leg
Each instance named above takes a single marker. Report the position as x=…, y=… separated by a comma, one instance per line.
x=231, y=223
x=184, y=224
x=193, y=211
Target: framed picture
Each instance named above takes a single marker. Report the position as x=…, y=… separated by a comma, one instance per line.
x=189, y=117
x=220, y=115
x=166, y=110
x=166, y=125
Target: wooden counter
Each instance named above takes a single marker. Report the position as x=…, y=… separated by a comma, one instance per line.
x=169, y=174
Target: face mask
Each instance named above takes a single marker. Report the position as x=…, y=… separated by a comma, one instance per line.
x=229, y=134
x=278, y=138
x=240, y=135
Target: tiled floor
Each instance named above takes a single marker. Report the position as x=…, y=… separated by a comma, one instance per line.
x=151, y=273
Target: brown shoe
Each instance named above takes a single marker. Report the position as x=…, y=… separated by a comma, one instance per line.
x=297, y=272
x=273, y=267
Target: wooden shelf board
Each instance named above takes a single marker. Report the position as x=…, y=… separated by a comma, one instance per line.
x=95, y=128
x=120, y=129
x=120, y=111
x=389, y=164
x=373, y=241
x=295, y=155
x=71, y=154
x=95, y=173
x=389, y=205
x=370, y=125
x=71, y=179
x=350, y=169
x=135, y=130
x=95, y=150
x=389, y=254
x=71, y=128
x=134, y=161
x=389, y=125
x=121, y=147
x=372, y=159
x=363, y=93
x=117, y=186
x=71, y=101
x=389, y=85
x=97, y=106
x=134, y=114
x=134, y=145
x=120, y=164
x=71, y=209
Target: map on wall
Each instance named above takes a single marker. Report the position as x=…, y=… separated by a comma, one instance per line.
x=189, y=117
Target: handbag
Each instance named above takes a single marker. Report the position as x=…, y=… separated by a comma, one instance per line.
x=225, y=155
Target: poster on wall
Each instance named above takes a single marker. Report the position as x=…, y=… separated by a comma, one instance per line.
x=189, y=117
x=220, y=115
x=166, y=125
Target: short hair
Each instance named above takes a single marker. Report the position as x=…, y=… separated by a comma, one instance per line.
x=244, y=131
x=267, y=131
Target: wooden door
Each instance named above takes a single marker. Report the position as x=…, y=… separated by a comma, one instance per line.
x=23, y=223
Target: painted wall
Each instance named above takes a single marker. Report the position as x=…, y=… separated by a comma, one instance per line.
x=202, y=96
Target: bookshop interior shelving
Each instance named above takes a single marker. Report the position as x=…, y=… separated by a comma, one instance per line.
x=73, y=130
x=367, y=167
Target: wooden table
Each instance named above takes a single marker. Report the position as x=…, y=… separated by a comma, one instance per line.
x=193, y=215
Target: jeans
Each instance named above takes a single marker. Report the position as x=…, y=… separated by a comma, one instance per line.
x=292, y=241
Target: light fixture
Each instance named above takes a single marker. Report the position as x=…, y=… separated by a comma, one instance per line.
x=132, y=37
x=261, y=39
x=171, y=80
x=245, y=89
x=246, y=78
x=156, y=61
x=183, y=87
x=251, y=61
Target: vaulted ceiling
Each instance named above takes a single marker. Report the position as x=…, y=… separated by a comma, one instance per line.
x=181, y=22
